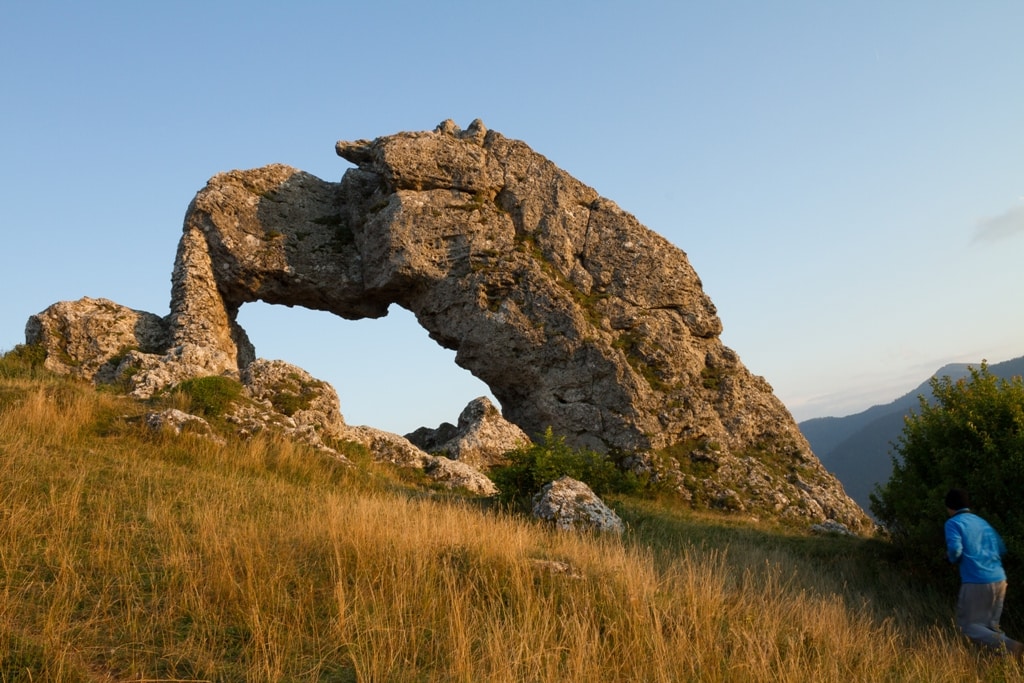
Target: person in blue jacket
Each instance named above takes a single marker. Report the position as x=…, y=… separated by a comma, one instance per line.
x=973, y=545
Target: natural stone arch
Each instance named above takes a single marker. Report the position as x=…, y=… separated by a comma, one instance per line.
x=575, y=315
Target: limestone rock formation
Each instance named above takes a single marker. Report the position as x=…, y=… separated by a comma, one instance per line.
x=575, y=315
x=570, y=504
x=388, y=447
x=481, y=438
x=288, y=400
x=90, y=338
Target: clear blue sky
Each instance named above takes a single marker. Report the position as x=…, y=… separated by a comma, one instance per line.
x=846, y=177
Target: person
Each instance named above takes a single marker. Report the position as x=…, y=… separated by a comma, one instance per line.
x=973, y=545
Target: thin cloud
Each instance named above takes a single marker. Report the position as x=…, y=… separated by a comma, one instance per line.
x=1000, y=227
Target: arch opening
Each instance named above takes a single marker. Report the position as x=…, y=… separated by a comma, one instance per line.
x=387, y=371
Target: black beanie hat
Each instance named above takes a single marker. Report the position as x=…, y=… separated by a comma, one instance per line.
x=957, y=499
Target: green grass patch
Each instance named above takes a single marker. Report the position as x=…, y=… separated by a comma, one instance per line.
x=210, y=396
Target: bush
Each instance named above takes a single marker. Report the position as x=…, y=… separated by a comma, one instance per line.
x=972, y=437
x=210, y=396
x=22, y=361
x=531, y=467
x=288, y=403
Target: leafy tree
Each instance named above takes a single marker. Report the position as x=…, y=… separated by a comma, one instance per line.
x=971, y=436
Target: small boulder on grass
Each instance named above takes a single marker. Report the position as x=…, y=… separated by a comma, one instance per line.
x=571, y=504
x=832, y=528
x=176, y=421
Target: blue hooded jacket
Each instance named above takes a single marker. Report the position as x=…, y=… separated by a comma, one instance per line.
x=976, y=547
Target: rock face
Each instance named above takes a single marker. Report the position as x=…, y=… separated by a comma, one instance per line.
x=481, y=438
x=576, y=316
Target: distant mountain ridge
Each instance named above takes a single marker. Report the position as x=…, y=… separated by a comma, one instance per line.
x=858, y=448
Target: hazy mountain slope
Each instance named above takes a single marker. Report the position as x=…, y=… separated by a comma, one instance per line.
x=858, y=448
x=865, y=458
x=825, y=434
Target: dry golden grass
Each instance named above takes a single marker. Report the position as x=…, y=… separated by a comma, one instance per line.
x=129, y=556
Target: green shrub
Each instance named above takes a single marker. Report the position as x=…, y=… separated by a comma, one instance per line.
x=24, y=360
x=288, y=403
x=531, y=467
x=210, y=396
x=972, y=437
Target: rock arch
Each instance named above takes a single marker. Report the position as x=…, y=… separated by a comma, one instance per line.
x=575, y=315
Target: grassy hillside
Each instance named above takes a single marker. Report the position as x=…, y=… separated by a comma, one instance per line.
x=132, y=556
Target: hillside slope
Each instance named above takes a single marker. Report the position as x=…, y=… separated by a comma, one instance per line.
x=134, y=555
x=858, y=448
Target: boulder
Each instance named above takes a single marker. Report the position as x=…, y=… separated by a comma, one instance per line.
x=831, y=528
x=570, y=504
x=177, y=421
x=459, y=475
x=91, y=338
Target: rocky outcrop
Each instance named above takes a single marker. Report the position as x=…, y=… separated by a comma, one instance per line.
x=570, y=504
x=397, y=450
x=286, y=399
x=289, y=400
x=577, y=317
x=91, y=338
x=481, y=439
